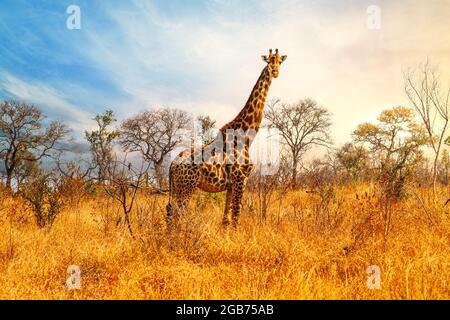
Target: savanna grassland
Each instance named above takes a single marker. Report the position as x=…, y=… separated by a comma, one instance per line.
x=311, y=246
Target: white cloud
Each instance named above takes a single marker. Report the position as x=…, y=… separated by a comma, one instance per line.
x=208, y=62
x=46, y=97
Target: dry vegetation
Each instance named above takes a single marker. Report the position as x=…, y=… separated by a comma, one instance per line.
x=311, y=246
x=310, y=230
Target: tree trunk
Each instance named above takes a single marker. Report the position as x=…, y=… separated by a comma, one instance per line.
x=435, y=163
x=100, y=175
x=159, y=174
x=9, y=173
x=435, y=175
x=294, y=172
x=8, y=180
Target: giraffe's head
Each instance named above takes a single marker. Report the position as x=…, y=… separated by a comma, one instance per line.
x=274, y=60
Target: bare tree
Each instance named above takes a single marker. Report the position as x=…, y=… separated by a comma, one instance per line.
x=431, y=102
x=263, y=186
x=207, y=126
x=155, y=134
x=24, y=137
x=124, y=182
x=75, y=168
x=101, y=143
x=302, y=125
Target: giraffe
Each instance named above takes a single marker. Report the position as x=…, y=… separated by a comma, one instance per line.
x=224, y=164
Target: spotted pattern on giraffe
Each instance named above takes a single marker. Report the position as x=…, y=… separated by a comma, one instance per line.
x=215, y=173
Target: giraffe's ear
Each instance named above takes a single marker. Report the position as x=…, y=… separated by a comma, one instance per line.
x=265, y=59
x=283, y=58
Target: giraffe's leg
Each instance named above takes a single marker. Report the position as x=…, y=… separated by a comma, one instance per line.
x=239, y=182
x=171, y=209
x=178, y=206
x=238, y=191
x=174, y=209
x=183, y=182
x=228, y=205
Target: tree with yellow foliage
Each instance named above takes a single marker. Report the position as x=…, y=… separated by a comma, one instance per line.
x=395, y=143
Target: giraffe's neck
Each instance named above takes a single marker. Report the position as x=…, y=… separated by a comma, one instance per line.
x=251, y=115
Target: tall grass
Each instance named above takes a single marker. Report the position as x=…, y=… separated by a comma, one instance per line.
x=311, y=246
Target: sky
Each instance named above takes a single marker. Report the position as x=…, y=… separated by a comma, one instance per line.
x=204, y=56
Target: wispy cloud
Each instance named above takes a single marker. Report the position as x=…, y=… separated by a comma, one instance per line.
x=203, y=56
x=57, y=107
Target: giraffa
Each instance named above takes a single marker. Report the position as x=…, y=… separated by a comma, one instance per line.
x=224, y=164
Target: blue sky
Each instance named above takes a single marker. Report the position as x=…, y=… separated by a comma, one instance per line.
x=204, y=56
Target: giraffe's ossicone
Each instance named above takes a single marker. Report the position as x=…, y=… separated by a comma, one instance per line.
x=224, y=164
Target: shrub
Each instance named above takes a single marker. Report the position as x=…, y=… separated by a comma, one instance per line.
x=43, y=196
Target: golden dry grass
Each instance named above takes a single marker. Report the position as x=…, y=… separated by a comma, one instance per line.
x=307, y=249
